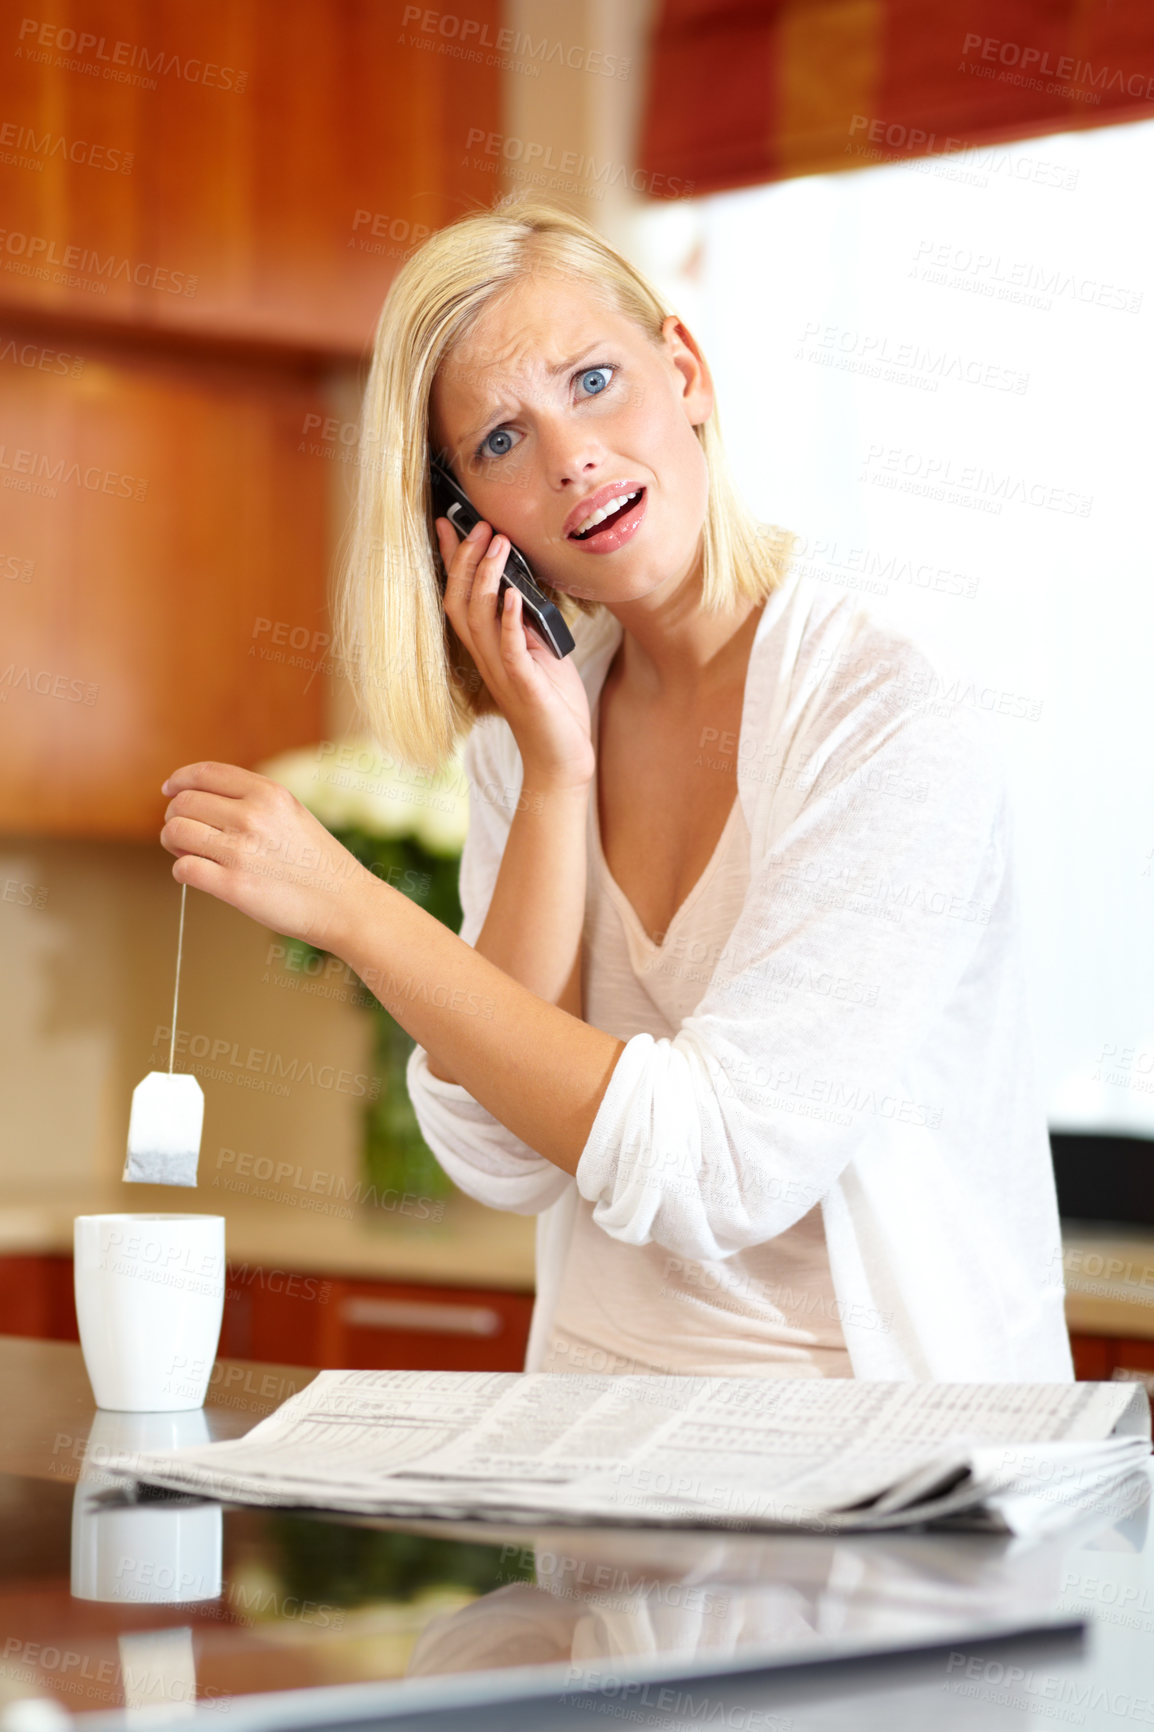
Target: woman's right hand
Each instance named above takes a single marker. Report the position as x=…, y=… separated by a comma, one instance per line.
x=541, y=696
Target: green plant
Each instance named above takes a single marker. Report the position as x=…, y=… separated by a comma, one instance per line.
x=408, y=830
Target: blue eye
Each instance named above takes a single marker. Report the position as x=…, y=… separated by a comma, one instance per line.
x=588, y=370
x=485, y=450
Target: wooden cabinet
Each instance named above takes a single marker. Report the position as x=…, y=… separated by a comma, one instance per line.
x=172, y=525
x=298, y=1319
x=286, y=1318
x=235, y=166
x=373, y=1325
x=282, y=1318
x=204, y=207
x=36, y=1298
x=1097, y=1357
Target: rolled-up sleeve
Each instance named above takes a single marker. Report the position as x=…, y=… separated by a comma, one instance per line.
x=871, y=885
x=479, y=1154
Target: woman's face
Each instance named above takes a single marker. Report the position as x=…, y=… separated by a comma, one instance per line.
x=554, y=397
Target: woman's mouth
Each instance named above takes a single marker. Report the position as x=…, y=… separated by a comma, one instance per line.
x=613, y=531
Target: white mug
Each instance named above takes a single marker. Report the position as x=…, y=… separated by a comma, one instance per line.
x=149, y=1302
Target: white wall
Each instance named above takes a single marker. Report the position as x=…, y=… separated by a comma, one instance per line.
x=981, y=326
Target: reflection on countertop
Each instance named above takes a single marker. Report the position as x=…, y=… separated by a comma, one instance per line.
x=593, y=1599
x=145, y=1552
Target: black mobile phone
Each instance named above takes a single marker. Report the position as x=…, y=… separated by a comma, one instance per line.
x=451, y=501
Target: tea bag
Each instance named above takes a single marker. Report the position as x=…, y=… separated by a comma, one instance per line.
x=167, y=1112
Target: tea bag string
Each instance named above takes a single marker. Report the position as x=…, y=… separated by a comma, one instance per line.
x=176, y=988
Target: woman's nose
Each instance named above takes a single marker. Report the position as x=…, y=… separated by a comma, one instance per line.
x=569, y=455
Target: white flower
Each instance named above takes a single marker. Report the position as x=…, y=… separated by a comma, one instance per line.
x=300, y=772
x=442, y=820
x=351, y=784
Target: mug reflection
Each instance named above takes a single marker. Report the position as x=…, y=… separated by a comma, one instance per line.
x=154, y=1553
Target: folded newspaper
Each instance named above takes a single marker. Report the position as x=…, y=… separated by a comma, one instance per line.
x=734, y=1452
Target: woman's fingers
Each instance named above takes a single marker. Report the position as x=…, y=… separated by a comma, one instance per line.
x=482, y=605
x=503, y=633
x=461, y=561
x=514, y=634
x=213, y=778
x=184, y=835
x=498, y=642
x=215, y=809
x=474, y=570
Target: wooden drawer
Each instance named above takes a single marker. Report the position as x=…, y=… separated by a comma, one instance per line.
x=36, y=1298
x=285, y=1318
x=382, y=1326
x=434, y=1329
x=1097, y=1357
x=1133, y=1355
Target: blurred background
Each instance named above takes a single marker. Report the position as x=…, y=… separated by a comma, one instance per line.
x=912, y=241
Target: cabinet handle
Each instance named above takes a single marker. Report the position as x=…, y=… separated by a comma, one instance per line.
x=424, y=1315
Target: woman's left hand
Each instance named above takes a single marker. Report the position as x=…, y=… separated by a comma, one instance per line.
x=248, y=841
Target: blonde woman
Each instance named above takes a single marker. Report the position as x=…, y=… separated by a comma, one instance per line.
x=737, y=1005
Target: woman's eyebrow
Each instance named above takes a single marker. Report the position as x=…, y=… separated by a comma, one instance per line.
x=561, y=367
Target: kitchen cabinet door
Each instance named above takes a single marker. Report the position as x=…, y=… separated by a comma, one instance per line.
x=238, y=167
x=164, y=600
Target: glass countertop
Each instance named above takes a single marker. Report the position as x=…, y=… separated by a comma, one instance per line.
x=118, y=1612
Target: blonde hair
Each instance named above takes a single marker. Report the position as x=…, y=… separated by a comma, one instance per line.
x=418, y=687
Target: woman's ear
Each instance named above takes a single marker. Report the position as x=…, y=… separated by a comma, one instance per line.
x=684, y=354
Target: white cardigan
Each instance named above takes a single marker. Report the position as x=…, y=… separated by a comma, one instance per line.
x=864, y=1040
